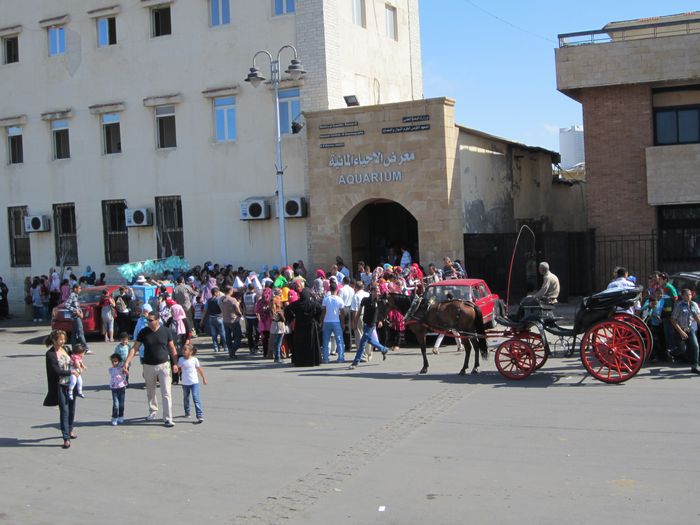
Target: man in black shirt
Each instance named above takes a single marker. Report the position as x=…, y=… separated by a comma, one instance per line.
x=369, y=310
x=158, y=346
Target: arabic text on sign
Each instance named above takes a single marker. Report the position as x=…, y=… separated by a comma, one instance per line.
x=333, y=145
x=378, y=158
x=406, y=129
x=415, y=118
x=338, y=125
x=370, y=178
x=341, y=134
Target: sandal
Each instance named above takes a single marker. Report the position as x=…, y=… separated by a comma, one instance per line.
x=73, y=435
x=66, y=444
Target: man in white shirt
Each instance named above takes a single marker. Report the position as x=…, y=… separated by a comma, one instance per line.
x=333, y=321
x=346, y=293
x=360, y=293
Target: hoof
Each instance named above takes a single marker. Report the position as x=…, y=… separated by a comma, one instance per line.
x=435, y=351
x=462, y=372
x=423, y=371
x=475, y=371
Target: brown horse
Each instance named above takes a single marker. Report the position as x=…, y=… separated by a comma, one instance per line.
x=447, y=316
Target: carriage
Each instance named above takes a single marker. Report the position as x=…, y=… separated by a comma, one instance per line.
x=613, y=345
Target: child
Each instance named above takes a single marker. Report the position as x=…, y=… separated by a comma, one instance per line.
x=117, y=383
x=76, y=364
x=123, y=348
x=189, y=366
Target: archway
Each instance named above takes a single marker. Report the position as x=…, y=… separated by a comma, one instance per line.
x=379, y=230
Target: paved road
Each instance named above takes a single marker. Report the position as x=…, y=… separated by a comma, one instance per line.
x=377, y=445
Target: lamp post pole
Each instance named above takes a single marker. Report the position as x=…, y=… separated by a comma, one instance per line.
x=296, y=71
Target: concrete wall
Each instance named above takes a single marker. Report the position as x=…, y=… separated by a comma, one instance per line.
x=628, y=62
x=672, y=174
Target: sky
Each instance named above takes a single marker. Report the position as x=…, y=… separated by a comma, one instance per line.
x=496, y=59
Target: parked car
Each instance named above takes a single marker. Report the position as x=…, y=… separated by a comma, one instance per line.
x=689, y=280
x=89, y=302
x=475, y=290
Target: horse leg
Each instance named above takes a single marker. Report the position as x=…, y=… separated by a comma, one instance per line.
x=472, y=344
x=467, y=353
x=422, y=339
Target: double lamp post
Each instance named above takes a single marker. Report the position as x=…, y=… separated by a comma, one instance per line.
x=296, y=72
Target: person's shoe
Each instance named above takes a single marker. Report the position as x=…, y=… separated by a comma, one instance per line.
x=352, y=366
x=152, y=416
x=89, y=352
x=169, y=423
x=324, y=361
x=363, y=359
x=66, y=444
x=384, y=352
x=200, y=420
x=73, y=435
x=120, y=420
x=187, y=415
x=70, y=396
x=334, y=353
x=114, y=421
x=80, y=394
x=695, y=371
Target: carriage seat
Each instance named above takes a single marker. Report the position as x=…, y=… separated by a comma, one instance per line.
x=607, y=299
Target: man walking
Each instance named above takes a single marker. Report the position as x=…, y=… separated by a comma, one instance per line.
x=685, y=314
x=183, y=294
x=231, y=313
x=158, y=347
x=76, y=316
x=251, y=318
x=369, y=310
x=213, y=316
x=333, y=319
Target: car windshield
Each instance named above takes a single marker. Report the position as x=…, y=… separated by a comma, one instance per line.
x=90, y=296
x=445, y=293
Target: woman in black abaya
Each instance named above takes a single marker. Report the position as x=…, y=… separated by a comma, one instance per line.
x=306, y=341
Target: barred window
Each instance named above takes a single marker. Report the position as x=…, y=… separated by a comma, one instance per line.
x=20, y=251
x=169, y=231
x=116, y=234
x=66, y=234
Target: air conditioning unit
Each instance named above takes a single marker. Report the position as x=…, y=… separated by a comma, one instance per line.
x=138, y=217
x=294, y=207
x=255, y=209
x=37, y=223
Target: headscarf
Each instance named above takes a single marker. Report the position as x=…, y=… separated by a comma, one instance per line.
x=320, y=273
x=178, y=313
x=55, y=283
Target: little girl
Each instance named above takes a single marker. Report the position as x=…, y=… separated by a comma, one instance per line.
x=123, y=348
x=117, y=383
x=189, y=367
x=76, y=364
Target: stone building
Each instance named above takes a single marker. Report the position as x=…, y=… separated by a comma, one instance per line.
x=639, y=84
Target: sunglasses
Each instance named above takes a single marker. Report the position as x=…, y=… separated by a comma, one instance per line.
x=152, y=320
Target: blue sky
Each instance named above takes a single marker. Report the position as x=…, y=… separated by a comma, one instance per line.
x=496, y=59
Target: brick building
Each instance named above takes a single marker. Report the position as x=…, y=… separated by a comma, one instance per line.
x=639, y=84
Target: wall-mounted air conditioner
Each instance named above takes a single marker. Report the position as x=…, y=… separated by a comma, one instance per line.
x=138, y=217
x=37, y=223
x=255, y=209
x=294, y=207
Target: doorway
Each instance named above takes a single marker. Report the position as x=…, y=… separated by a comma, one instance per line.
x=378, y=232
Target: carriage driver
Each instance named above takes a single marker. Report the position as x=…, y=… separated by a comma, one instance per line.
x=549, y=292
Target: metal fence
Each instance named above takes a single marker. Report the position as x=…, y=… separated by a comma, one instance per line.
x=637, y=253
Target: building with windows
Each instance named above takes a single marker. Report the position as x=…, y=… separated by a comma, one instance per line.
x=639, y=84
x=127, y=132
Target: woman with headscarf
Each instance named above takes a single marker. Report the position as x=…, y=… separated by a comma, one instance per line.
x=54, y=290
x=306, y=343
x=262, y=310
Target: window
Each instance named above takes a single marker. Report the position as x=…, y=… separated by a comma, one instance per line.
x=61, y=142
x=290, y=109
x=111, y=136
x=225, y=119
x=57, y=41
x=160, y=21
x=677, y=125
x=20, y=251
x=14, y=145
x=115, y=232
x=219, y=12
x=169, y=234
x=358, y=13
x=106, y=31
x=10, y=49
x=391, y=22
x=66, y=234
x=165, y=126
x=679, y=232
x=284, y=7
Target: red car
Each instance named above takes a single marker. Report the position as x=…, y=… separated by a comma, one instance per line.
x=89, y=302
x=475, y=290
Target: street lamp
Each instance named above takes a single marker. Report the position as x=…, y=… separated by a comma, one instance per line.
x=296, y=72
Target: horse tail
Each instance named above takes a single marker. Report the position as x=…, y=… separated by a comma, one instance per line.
x=481, y=330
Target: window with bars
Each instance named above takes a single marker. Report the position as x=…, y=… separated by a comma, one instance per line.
x=169, y=230
x=116, y=234
x=20, y=251
x=679, y=232
x=66, y=234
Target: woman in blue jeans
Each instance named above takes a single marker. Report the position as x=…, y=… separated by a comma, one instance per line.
x=58, y=373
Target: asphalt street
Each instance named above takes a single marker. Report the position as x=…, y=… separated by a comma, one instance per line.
x=376, y=445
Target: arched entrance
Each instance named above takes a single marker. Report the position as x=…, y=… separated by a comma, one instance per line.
x=379, y=230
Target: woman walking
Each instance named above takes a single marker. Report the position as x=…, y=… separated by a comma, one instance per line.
x=58, y=373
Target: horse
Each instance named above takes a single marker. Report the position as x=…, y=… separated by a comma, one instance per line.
x=447, y=316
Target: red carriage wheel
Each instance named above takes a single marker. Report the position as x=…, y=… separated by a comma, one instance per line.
x=537, y=345
x=641, y=327
x=612, y=351
x=515, y=359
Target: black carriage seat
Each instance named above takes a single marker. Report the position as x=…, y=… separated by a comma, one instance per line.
x=608, y=299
